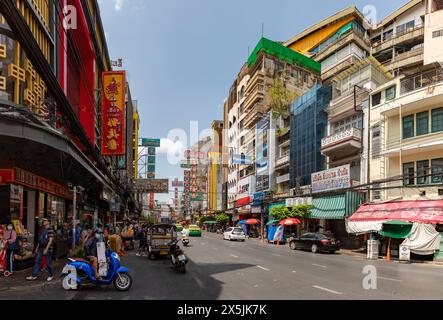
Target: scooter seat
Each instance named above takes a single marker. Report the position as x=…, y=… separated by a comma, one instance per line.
x=82, y=260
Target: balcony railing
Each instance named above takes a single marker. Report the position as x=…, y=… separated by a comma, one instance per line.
x=399, y=38
x=282, y=160
x=339, y=137
x=283, y=178
x=421, y=80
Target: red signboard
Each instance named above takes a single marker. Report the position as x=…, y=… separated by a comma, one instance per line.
x=114, y=114
x=244, y=201
x=28, y=179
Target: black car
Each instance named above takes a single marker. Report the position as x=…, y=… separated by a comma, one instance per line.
x=315, y=242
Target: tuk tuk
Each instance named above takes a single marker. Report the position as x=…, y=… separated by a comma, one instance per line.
x=159, y=236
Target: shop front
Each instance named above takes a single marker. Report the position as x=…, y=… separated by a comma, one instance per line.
x=328, y=214
x=24, y=199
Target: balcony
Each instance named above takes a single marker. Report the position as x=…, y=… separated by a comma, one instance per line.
x=408, y=37
x=283, y=178
x=339, y=67
x=342, y=144
x=405, y=59
x=253, y=115
x=341, y=42
x=282, y=162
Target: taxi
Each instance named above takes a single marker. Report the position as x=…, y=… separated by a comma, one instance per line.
x=195, y=231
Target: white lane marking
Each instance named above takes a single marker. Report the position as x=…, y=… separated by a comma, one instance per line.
x=256, y=286
x=319, y=265
x=327, y=290
x=276, y=255
x=390, y=279
x=233, y=255
x=263, y=268
x=293, y=271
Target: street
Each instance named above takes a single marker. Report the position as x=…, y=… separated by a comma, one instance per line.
x=222, y=270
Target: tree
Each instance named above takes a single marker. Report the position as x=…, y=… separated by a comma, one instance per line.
x=282, y=212
x=222, y=218
x=280, y=98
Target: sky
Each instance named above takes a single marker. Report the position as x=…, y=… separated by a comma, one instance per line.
x=182, y=57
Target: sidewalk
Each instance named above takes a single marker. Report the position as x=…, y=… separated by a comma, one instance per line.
x=18, y=281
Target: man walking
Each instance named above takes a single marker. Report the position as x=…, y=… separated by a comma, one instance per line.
x=44, y=249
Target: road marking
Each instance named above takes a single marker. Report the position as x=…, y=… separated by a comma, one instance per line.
x=256, y=286
x=233, y=255
x=263, y=268
x=327, y=290
x=390, y=279
x=277, y=255
x=293, y=271
x=319, y=265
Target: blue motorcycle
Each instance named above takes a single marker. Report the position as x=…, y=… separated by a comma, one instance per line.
x=80, y=273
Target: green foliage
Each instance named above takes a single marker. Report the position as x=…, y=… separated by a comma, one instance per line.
x=222, y=218
x=280, y=98
x=282, y=212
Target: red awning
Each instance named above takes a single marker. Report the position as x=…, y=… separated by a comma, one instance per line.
x=424, y=211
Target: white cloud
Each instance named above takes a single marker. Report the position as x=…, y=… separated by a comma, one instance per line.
x=118, y=4
x=167, y=146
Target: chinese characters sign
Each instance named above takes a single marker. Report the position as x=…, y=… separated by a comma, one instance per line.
x=114, y=114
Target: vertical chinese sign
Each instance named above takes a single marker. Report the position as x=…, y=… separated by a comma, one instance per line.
x=113, y=141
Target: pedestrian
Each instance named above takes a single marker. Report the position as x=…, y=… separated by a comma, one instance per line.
x=13, y=246
x=3, y=247
x=44, y=249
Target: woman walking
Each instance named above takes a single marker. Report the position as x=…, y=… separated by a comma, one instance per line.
x=13, y=246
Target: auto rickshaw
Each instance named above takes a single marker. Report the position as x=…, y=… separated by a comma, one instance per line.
x=159, y=237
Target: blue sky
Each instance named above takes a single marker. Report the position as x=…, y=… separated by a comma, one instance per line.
x=182, y=56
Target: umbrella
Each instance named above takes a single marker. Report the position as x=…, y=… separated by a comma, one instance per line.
x=242, y=222
x=252, y=221
x=289, y=222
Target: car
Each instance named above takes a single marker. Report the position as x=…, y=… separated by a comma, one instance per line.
x=315, y=242
x=234, y=234
x=194, y=231
x=178, y=227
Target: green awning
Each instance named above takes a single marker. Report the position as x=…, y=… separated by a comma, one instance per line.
x=336, y=207
x=396, y=229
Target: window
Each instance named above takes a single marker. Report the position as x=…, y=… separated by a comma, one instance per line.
x=423, y=172
x=437, y=33
x=376, y=99
x=390, y=93
x=408, y=127
x=405, y=27
x=422, y=123
x=408, y=173
x=437, y=120
x=437, y=170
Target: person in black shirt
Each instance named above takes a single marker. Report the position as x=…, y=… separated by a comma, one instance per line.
x=44, y=249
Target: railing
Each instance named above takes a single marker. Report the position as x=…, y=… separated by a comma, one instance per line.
x=282, y=160
x=421, y=80
x=283, y=178
x=377, y=46
x=340, y=136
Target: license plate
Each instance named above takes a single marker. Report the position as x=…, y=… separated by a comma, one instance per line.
x=182, y=258
x=164, y=253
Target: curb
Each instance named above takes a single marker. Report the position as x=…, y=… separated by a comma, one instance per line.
x=41, y=285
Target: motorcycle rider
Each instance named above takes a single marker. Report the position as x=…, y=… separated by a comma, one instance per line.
x=185, y=233
x=95, y=236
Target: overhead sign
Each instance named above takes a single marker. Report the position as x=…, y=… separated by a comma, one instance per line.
x=151, y=143
x=113, y=142
x=152, y=185
x=332, y=179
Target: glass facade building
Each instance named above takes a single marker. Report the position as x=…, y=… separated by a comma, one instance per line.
x=309, y=125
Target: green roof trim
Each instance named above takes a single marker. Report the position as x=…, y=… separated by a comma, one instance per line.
x=283, y=53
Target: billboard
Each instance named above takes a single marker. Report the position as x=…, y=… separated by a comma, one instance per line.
x=152, y=185
x=332, y=179
x=113, y=142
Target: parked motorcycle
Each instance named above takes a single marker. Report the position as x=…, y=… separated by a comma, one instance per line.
x=178, y=258
x=80, y=273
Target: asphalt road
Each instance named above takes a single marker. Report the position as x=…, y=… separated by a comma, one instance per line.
x=255, y=271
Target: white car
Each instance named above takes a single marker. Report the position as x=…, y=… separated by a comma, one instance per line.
x=234, y=234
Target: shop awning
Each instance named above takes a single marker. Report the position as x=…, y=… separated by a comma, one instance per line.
x=423, y=211
x=335, y=207
x=396, y=229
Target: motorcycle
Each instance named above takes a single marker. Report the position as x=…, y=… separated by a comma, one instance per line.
x=178, y=258
x=185, y=241
x=80, y=273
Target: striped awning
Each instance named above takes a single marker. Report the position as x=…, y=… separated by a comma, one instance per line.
x=336, y=207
